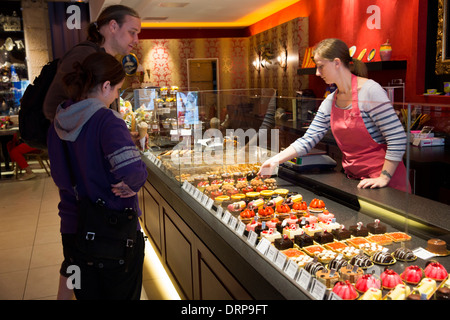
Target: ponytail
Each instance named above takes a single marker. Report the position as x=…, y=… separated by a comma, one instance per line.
x=95, y=70
x=358, y=68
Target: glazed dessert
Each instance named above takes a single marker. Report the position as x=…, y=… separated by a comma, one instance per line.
x=253, y=226
x=292, y=220
x=383, y=257
x=325, y=216
x=265, y=213
x=399, y=236
x=238, y=197
x=366, y=282
x=273, y=223
x=312, y=229
x=266, y=193
x=303, y=240
x=435, y=270
x=329, y=225
x=283, y=243
x=357, y=242
x=345, y=290
x=372, y=294
x=246, y=215
x=282, y=211
x=336, y=246
x=313, y=266
x=270, y=234
x=327, y=277
x=437, y=246
x=390, y=279
x=404, y=254
x=323, y=237
x=361, y=261
x=400, y=292
x=351, y=273
x=312, y=250
x=299, y=207
x=380, y=239
x=292, y=231
x=302, y=260
x=337, y=263
x=293, y=253
x=376, y=227
x=371, y=248
x=281, y=192
x=412, y=274
x=341, y=233
x=317, y=205
x=311, y=219
x=359, y=230
x=426, y=286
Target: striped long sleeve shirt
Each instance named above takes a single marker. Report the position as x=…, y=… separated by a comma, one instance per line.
x=378, y=115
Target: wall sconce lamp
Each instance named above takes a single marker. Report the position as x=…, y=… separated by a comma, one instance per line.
x=257, y=63
x=282, y=58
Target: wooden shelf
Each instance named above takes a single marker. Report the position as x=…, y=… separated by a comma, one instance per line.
x=371, y=66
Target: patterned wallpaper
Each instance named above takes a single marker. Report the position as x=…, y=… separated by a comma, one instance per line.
x=167, y=59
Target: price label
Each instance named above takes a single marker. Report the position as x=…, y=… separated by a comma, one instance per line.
x=318, y=289
x=185, y=185
x=240, y=228
x=252, y=237
x=232, y=223
x=263, y=246
x=291, y=269
x=209, y=203
x=219, y=212
x=205, y=200
x=271, y=253
x=226, y=217
x=334, y=296
x=303, y=279
x=280, y=260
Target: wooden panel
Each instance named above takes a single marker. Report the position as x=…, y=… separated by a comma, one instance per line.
x=152, y=217
x=178, y=255
x=213, y=279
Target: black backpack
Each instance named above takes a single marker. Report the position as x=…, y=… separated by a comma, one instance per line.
x=33, y=125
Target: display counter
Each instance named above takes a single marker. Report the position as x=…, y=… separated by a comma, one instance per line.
x=194, y=141
x=208, y=257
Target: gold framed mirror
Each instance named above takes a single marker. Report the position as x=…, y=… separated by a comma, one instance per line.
x=443, y=34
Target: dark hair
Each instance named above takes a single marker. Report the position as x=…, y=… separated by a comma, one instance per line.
x=94, y=70
x=335, y=48
x=114, y=12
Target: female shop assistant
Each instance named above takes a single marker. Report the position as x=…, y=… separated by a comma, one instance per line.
x=362, y=119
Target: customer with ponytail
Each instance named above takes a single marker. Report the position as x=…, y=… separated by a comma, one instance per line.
x=362, y=120
x=115, y=32
x=105, y=164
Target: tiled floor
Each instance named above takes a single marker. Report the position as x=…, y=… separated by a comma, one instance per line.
x=30, y=243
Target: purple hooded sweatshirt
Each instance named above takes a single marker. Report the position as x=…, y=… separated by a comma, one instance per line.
x=101, y=154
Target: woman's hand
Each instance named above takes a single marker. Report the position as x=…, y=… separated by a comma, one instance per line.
x=372, y=183
x=122, y=190
x=267, y=168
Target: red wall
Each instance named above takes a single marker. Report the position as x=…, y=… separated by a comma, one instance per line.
x=403, y=22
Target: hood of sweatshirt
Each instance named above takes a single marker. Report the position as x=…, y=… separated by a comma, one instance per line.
x=69, y=120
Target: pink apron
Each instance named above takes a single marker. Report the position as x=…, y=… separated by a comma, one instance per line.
x=362, y=156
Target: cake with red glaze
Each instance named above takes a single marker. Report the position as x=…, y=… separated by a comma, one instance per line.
x=390, y=279
x=366, y=282
x=412, y=274
x=345, y=290
x=436, y=271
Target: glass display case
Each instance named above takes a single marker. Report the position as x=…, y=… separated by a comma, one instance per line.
x=307, y=223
